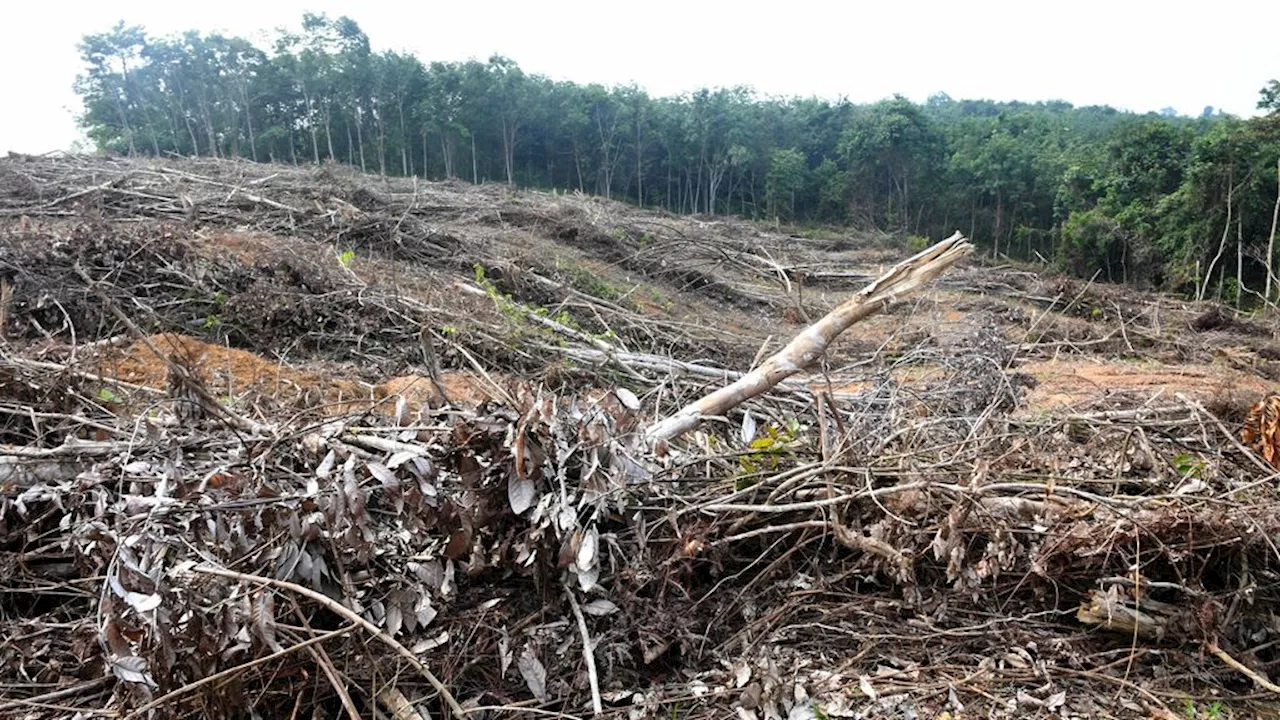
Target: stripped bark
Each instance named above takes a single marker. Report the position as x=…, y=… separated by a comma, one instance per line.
x=810, y=344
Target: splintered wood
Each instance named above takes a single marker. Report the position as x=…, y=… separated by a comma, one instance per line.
x=814, y=340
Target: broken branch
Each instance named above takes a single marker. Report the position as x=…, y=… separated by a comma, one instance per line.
x=814, y=340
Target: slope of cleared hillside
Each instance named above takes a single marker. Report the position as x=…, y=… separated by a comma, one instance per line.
x=224, y=385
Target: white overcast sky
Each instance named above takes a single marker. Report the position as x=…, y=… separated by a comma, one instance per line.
x=1135, y=55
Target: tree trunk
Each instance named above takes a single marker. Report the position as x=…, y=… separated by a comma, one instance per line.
x=973, y=216
x=669, y=205
x=155, y=133
x=382, y=141
x=577, y=161
x=995, y=244
x=404, y=144
x=360, y=138
x=906, y=200
x=639, y=165
x=509, y=129
x=191, y=130
x=248, y=118
x=328, y=132
x=475, y=163
x=1271, y=241
x=208, y=125
x=124, y=122
x=715, y=175
x=446, y=150
x=1222, y=244
x=1239, y=259
x=311, y=125
x=173, y=130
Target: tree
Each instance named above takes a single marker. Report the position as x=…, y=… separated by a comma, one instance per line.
x=1158, y=198
x=786, y=177
x=1270, y=97
x=108, y=88
x=890, y=148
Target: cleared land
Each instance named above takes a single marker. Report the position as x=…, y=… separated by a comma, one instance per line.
x=1010, y=495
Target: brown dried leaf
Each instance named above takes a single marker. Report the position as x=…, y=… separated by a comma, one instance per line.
x=133, y=669
x=534, y=674
x=394, y=619
x=520, y=494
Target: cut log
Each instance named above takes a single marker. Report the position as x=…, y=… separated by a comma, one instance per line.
x=810, y=344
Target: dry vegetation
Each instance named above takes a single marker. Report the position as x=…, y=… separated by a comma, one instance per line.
x=313, y=443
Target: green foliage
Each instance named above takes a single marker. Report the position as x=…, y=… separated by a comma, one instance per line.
x=584, y=280
x=917, y=243
x=518, y=312
x=768, y=450
x=1189, y=465
x=1213, y=711
x=1138, y=197
x=1090, y=239
x=347, y=257
x=787, y=176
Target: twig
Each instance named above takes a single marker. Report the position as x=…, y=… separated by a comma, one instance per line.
x=55, y=695
x=321, y=658
x=337, y=607
x=814, y=504
x=59, y=367
x=398, y=704
x=1253, y=457
x=1241, y=668
x=237, y=420
x=771, y=529
x=196, y=685
x=588, y=653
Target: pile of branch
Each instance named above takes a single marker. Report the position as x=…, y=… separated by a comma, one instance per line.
x=627, y=548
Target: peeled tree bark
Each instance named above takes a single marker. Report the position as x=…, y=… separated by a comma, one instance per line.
x=811, y=343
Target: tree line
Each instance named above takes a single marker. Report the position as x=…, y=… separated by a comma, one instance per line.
x=1183, y=203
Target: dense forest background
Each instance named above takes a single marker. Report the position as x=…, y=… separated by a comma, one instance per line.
x=1184, y=204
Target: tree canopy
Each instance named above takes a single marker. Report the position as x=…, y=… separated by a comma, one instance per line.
x=1183, y=203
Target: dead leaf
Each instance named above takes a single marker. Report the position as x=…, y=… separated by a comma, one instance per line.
x=587, y=551
x=428, y=644
x=599, y=607
x=133, y=669
x=864, y=684
x=395, y=619
x=423, y=610
x=521, y=494
x=628, y=398
x=588, y=579
x=383, y=474
x=505, y=656
x=534, y=674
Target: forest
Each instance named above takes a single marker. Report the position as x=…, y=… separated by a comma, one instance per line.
x=1184, y=204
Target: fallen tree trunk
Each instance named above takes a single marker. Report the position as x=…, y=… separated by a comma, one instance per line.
x=809, y=345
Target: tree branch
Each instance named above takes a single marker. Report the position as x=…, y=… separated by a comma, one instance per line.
x=814, y=340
